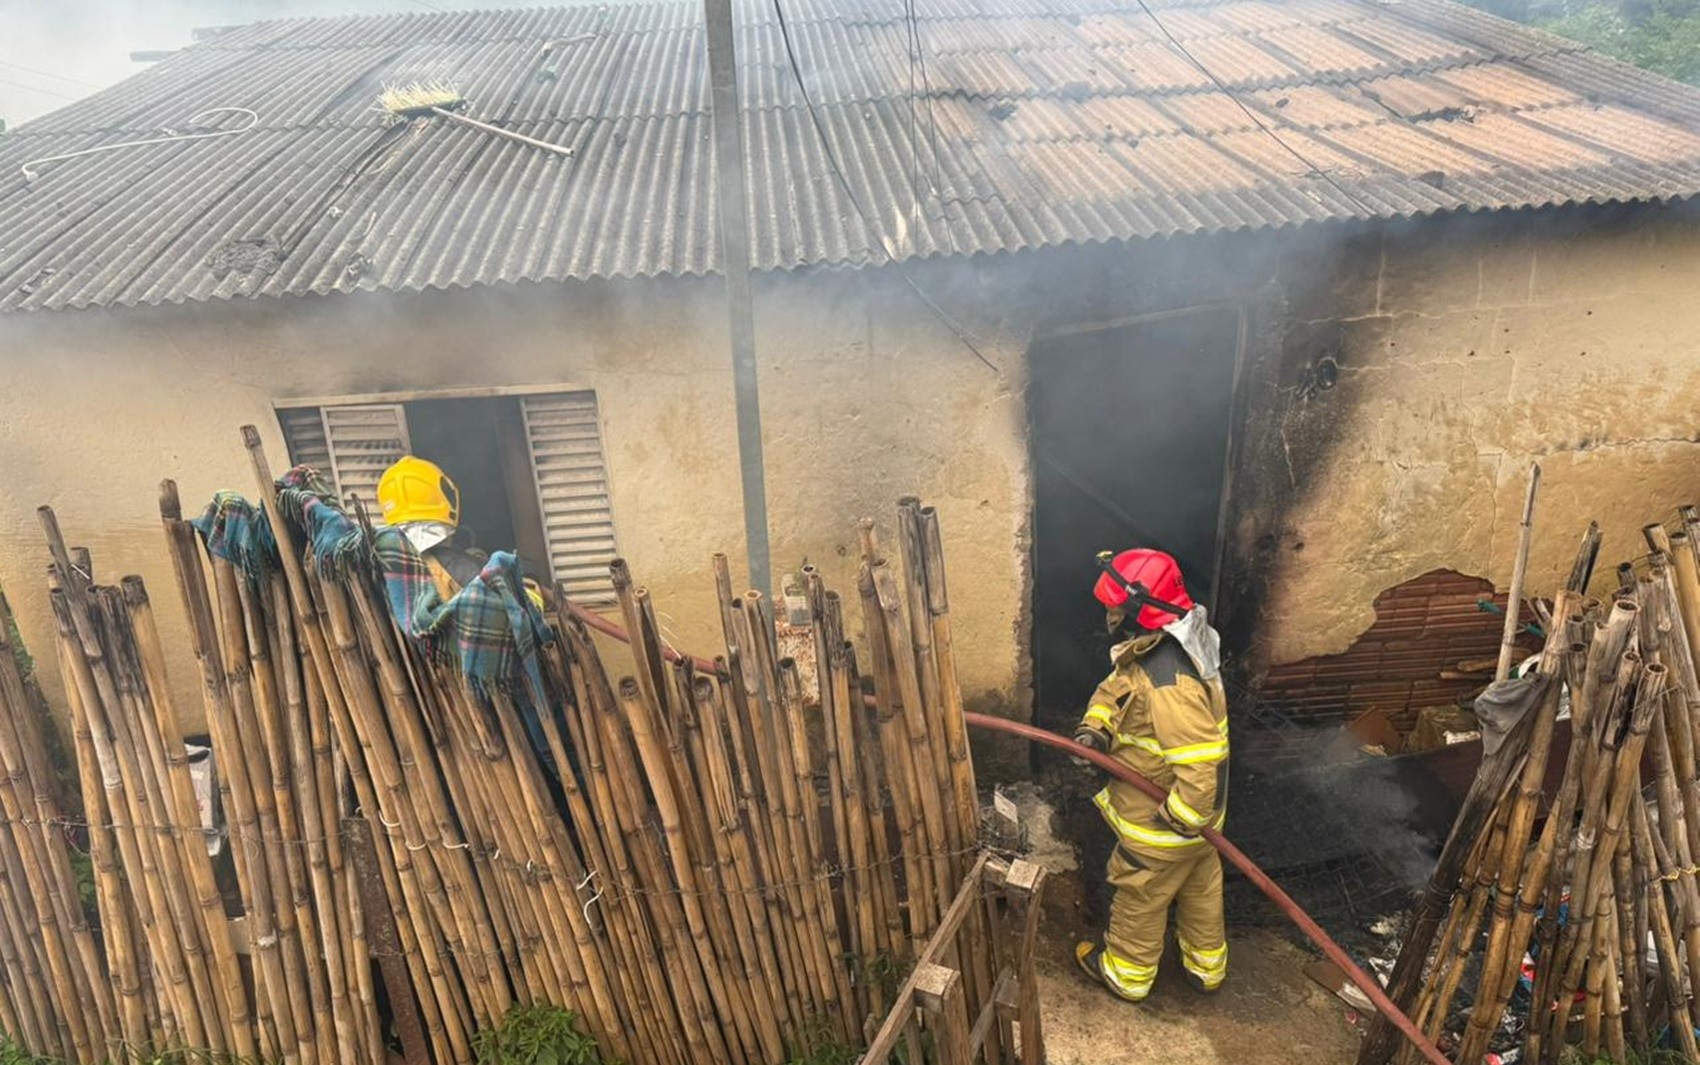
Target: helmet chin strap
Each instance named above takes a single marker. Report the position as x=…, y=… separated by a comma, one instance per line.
x=1136, y=592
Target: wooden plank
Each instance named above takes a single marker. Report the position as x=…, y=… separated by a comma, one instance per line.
x=1023, y=884
x=385, y=940
x=895, y=1022
x=939, y=992
x=1002, y=998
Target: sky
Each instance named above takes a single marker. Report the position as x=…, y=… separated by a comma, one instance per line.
x=55, y=51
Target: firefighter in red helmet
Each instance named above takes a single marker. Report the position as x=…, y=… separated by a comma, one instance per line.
x=1162, y=712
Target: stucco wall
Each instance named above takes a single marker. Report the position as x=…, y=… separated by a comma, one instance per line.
x=866, y=398
x=1466, y=350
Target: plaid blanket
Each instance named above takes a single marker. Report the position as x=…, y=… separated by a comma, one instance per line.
x=236, y=531
x=490, y=626
x=308, y=500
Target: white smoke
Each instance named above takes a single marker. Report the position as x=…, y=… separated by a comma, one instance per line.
x=53, y=53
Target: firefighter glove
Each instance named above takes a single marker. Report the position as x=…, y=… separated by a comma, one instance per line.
x=1088, y=737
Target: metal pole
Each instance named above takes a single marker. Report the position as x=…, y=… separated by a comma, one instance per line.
x=735, y=261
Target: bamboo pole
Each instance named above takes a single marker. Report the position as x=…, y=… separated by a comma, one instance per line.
x=230, y=720
x=1630, y=951
x=899, y=643
x=963, y=785
x=24, y=796
x=1622, y=795
x=778, y=778
x=1472, y=907
x=742, y=672
x=738, y=878
x=920, y=891
x=332, y=668
x=118, y=936
x=1477, y=811
x=121, y=775
x=1670, y=964
x=306, y=784
x=1504, y=948
x=593, y=699
x=1519, y=569
x=673, y=925
x=185, y=811
x=911, y=542
x=850, y=812
x=276, y=797
x=1587, y=706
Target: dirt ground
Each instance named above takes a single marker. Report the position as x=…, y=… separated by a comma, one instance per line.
x=1268, y=1013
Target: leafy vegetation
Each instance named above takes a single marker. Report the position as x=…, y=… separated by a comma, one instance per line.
x=1658, y=35
x=535, y=1035
x=824, y=1046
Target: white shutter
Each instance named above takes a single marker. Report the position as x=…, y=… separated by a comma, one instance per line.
x=565, y=438
x=304, y=433
x=363, y=442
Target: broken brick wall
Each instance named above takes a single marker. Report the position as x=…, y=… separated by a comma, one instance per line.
x=1408, y=659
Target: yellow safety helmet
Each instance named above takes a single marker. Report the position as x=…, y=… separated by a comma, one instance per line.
x=416, y=490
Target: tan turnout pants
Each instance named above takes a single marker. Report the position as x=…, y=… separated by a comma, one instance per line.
x=1139, y=916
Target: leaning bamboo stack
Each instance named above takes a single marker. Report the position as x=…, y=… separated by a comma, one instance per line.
x=173, y=967
x=705, y=860
x=1594, y=884
x=54, y=991
x=732, y=859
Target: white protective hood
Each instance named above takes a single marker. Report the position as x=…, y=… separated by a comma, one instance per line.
x=1202, y=643
x=424, y=535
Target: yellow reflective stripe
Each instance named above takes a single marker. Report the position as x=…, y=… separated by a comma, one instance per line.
x=1197, y=752
x=1132, y=981
x=1214, y=959
x=1210, y=966
x=1128, y=830
x=1144, y=743
x=1103, y=715
x=1183, y=811
x=1194, y=753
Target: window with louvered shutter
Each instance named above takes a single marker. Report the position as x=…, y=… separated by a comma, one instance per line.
x=363, y=442
x=564, y=434
x=304, y=432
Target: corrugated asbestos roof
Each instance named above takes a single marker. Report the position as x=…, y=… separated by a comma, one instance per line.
x=1020, y=124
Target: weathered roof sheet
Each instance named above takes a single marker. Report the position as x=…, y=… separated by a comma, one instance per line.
x=1020, y=124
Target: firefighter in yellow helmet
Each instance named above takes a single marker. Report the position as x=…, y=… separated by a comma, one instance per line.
x=417, y=497
x=1162, y=711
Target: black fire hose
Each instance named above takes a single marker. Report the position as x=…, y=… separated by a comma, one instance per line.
x=1236, y=857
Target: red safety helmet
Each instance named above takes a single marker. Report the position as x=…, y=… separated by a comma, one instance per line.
x=1157, y=572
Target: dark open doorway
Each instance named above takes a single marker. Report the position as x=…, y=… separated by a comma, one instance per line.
x=1129, y=430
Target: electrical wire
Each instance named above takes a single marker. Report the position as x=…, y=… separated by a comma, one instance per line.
x=170, y=137
x=856, y=204
x=37, y=88
x=926, y=94
x=916, y=54
x=1222, y=87
x=50, y=74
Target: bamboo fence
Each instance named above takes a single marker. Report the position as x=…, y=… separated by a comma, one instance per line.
x=734, y=860
x=1595, y=882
